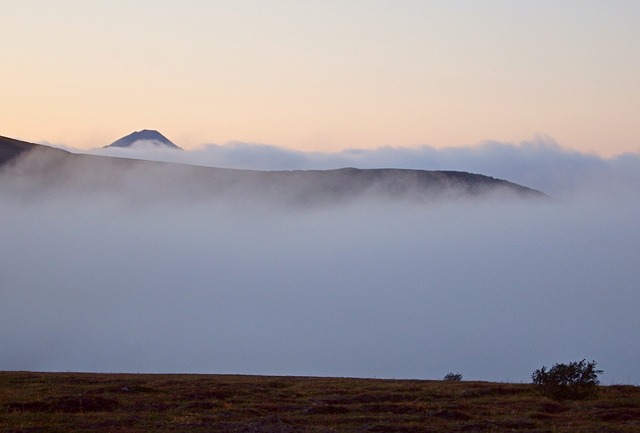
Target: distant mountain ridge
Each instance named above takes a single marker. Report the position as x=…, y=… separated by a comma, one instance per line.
x=146, y=135
x=51, y=168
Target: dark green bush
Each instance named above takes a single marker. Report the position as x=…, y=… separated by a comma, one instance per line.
x=573, y=381
x=453, y=377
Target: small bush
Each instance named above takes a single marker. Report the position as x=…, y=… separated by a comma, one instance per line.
x=453, y=377
x=573, y=381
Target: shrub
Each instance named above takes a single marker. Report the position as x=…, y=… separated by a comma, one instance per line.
x=573, y=381
x=453, y=377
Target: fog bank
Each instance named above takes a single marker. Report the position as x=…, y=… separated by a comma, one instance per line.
x=97, y=279
x=539, y=163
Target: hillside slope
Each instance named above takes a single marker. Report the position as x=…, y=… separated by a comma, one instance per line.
x=49, y=168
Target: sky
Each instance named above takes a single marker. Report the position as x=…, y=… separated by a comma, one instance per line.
x=111, y=274
x=323, y=76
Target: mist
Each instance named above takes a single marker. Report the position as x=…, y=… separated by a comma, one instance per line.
x=540, y=162
x=114, y=275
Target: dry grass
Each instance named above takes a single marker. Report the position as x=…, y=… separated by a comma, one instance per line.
x=73, y=402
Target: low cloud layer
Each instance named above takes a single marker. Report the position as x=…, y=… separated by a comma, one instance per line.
x=539, y=163
x=97, y=279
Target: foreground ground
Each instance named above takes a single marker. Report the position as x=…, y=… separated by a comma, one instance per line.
x=72, y=402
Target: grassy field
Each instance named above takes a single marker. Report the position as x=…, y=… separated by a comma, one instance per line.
x=87, y=402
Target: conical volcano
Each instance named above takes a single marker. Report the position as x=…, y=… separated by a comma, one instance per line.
x=144, y=136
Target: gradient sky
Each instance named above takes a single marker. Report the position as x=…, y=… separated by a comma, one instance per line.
x=323, y=75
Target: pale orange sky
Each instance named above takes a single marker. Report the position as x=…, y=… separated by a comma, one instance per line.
x=323, y=75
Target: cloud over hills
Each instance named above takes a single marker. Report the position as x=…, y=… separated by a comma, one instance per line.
x=126, y=277
x=539, y=163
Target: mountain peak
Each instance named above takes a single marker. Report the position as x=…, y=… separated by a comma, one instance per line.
x=146, y=135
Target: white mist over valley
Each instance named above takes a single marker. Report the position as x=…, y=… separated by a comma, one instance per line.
x=119, y=273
